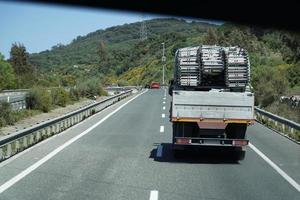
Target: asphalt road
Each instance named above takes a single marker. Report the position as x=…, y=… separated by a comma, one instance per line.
x=128, y=156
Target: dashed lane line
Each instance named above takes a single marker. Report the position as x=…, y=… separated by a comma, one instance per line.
x=153, y=195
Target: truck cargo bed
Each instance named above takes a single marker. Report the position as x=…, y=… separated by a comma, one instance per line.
x=212, y=105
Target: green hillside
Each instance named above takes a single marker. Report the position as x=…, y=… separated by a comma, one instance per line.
x=116, y=55
x=120, y=42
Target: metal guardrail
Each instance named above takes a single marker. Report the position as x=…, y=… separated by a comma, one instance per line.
x=14, y=143
x=16, y=90
x=285, y=126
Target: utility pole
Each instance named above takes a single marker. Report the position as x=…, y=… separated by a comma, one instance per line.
x=163, y=59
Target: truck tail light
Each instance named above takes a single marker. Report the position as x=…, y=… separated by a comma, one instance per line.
x=183, y=141
x=240, y=142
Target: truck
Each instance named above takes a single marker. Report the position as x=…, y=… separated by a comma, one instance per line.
x=155, y=85
x=212, y=103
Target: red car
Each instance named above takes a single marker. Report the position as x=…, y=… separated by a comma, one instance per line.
x=155, y=85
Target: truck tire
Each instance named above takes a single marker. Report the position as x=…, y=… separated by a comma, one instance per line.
x=240, y=155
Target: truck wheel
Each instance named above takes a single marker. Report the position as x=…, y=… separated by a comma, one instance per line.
x=240, y=155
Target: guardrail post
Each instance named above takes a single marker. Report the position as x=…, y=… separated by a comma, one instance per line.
x=48, y=130
x=283, y=127
x=38, y=135
x=17, y=145
x=291, y=130
x=57, y=127
x=8, y=150
x=31, y=138
x=24, y=142
x=1, y=154
x=61, y=128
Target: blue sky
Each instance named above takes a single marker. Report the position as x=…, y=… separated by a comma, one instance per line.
x=40, y=26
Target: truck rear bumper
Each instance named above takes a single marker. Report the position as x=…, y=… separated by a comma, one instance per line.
x=215, y=121
x=213, y=142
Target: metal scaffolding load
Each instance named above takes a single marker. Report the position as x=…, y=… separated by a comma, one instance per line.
x=211, y=59
x=187, y=66
x=237, y=72
x=212, y=66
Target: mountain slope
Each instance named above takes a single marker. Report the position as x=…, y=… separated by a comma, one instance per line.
x=118, y=40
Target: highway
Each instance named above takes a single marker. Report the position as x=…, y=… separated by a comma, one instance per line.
x=124, y=152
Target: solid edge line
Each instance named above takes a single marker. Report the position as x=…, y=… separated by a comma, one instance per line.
x=276, y=168
x=27, y=171
x=153, y=195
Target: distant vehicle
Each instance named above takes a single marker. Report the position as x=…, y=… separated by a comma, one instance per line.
x=155, y=85
x=212, y=104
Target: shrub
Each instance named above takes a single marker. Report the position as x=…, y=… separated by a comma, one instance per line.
x=6, y=114
x=40, y=99
x=59, y=96
x=90, y=88
x=74, y=94
x=101, y=91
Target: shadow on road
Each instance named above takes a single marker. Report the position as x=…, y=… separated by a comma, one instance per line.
x=201, y=155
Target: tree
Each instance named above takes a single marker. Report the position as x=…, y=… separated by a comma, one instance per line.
x=7, y=75
x=211, y=37
x=102, y=52
x=19, y=59
x=103, y=58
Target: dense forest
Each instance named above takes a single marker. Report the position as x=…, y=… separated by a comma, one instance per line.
x=116, y=55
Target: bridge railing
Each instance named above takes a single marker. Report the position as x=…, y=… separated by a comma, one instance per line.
x=16, y=142
x=284, y=126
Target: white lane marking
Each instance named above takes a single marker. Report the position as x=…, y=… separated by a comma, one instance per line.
x=164, y=98
x=163, y=115
x=153, y=195
x=162, y=129
x=27, y=171
x=276, y=168
x=159, y=151
x=164, y=102
x=164, y=108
